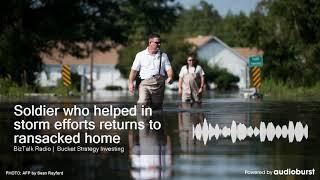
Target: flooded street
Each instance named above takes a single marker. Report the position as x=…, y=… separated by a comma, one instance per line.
x=208, y=141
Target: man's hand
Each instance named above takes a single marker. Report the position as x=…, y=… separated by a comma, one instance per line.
x=200, y=90
x=170, y=76
x=169, y=80
x=180, y=92
x=131, y=87
x=132, y=76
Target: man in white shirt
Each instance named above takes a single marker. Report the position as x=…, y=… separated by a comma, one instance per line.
x=153, y=66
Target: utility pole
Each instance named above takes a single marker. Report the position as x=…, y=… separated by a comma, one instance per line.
x=91, y=71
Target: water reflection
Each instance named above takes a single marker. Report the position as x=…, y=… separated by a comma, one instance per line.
x=171, y=152
x=186, y=120
x=150, y=150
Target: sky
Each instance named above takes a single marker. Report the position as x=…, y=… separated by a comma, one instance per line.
x=223, y=6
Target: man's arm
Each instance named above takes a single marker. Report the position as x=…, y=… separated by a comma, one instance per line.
x=170, y=76
x=132, y=77
x=202, y=82
x=201, y=85
x=180, y=86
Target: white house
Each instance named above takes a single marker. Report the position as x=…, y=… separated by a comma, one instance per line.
x=104, y=71
x=216, y=52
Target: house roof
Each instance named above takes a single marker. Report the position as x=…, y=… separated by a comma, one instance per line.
x=199, y=40
x=108, y=57
x=247, y=52
x=242, y=52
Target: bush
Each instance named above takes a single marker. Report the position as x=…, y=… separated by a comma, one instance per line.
x=10, y=88
x=221, y=77
x=60, y=89
x=280, y=89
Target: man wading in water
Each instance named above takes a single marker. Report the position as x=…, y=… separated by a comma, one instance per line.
x=191, y=81
x=153, y=66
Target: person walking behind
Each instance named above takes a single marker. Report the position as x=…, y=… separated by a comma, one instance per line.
x=191, y=81
x=153, y=66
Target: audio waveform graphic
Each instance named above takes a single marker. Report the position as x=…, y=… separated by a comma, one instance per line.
x=240, y=131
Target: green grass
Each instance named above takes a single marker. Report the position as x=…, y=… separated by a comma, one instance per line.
x=60, y=90
x=280, y=89
x=10, y=88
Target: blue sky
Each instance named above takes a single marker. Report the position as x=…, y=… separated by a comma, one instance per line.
x=224, y=5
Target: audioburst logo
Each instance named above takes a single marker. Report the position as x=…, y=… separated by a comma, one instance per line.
x=282, y=172
x=294, y=172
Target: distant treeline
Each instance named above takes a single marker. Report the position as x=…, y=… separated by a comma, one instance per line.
x=286, y=30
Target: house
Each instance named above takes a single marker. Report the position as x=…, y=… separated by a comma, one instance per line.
x=216, y=52
x=104, y=71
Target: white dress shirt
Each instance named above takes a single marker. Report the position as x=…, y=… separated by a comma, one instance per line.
x=148, y=64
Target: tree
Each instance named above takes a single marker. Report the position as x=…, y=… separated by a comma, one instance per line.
x=287, y=31
x=233, y=30
x=199, y=20
x=29, y=27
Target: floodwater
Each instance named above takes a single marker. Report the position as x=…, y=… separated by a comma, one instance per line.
x=182, y=148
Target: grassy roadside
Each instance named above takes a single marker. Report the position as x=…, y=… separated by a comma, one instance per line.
x=10, y=88
x=269, y=88
x=283, y=90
